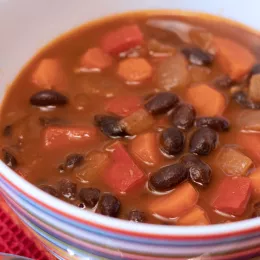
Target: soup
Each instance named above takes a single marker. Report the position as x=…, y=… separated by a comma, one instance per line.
x=147, y=117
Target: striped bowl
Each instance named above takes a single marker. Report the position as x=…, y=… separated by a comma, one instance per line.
x=66, y=231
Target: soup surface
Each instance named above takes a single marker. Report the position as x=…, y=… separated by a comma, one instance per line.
x=147, y=117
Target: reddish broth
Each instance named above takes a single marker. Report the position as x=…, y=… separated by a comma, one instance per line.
x=116, y=68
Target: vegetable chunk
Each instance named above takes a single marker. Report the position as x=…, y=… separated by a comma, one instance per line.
x=57, y=137
x=145, y=148
x=234, y=58
x=123, y=174
x=206, y=100
x=254, y=88
x=122, y=39
x=95, y=58
x=123, y=105
x=137, y=122
x=251, y=143
x=233, y=162
x=233, y=195
x=196, y=217
x=134, y=70
x=255, y=179
x=49, y=74
x=176, y=203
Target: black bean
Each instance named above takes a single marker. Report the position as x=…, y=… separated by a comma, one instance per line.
x=223, y=82
x=183, y=116
x=161, y=103
x=110, y=125
x=9, y=159
x=81, y=205
x=50, y=190
x=241, y=98
x=90, y=196
x=136, y=216
x=73, y=161
x=219, y=124
x=255, y=70
x=7, y=131
x=48, y=98
x=203, y=141
x=172, y=141
x=168, y=177
x=197, y=56
x=46, y=121
x=199, y=172
x=68, y=189
x=109, y=205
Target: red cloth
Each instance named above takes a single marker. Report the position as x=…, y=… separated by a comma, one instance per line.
x=14, y=240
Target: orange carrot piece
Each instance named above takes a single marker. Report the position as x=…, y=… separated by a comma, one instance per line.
x=251, y=143
x=206, y=100
x=175, y=203
x=49, y=74
x=145, y=148
x=123, y=105
x=234, y=58
x=196, y=217
x=134, y=70
x=122, y=39
x=58, y=137
x=95, y=58
x=255, y=181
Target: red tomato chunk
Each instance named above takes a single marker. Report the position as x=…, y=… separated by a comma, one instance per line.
x=123, y=105
x=123, y=174
x=233, y=195
x=57, y=137
x=122, y=39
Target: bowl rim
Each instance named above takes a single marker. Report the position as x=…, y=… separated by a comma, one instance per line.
x=123, y=226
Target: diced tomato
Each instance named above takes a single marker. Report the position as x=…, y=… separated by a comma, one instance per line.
x=255, y=178
x=123, y=105
x=251, y=143
x=206, y=100
x=58, y=137
x=122, y=39
x=123, y=174
x=233, y=195
x=49, y=74
x=145, y=148
x=96, y=58
x=196, y=217
x=175, y=203
x=235, y=59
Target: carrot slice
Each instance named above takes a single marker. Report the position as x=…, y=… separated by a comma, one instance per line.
x=134, y=70
x=123, y=174
x=251, y=143
x=234, y=58
x=176, y=203
x=96, y=58
x=123, y=105
x=122, y=39
x=206, y=100
x=255, y=180
x=49, y=74
x=58, y=137
x=197, y=217
x=233, y=195
x=145, y=148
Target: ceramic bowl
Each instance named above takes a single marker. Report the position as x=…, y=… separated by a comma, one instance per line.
x=66, y=231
